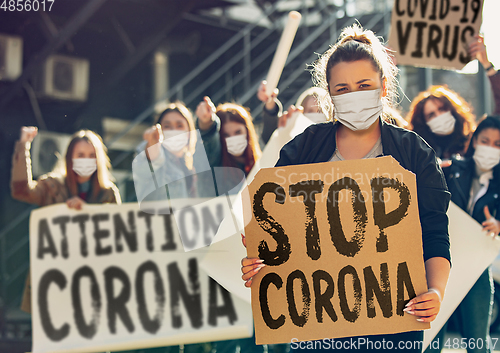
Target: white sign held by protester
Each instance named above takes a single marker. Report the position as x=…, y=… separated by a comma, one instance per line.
x=112, y=277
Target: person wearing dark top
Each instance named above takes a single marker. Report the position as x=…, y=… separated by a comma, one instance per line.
x=357, y=71
x=230, y=142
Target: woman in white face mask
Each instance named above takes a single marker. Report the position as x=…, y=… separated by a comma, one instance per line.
x=169, y=148
x=229, y=138
x=474, y=183
x=443, y=119
x=83, y=176
x=360, y=77
x=240, y=147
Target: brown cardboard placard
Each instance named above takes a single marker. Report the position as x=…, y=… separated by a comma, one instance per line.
x=332, y=266
x=434, y=33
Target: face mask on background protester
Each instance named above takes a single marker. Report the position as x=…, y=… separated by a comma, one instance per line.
x=486, y=157
x=175, y=140
x=84, y=167
x=316, y=117
x=358, y=110
x=443, y=124
x=237, y=144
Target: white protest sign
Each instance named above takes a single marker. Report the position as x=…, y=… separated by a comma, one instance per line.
x=434, y=33
x=472, y=251
x=112, y=277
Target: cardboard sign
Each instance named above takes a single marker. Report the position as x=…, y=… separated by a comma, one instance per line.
x=434, y=33
x=112, y=277
x=343, y=248
x=472, y=251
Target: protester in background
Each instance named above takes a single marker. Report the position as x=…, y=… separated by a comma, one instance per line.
x=394, y=117
x=274, y=116
x=169, y=157
x=474, y=183
x=83, y=177
x=229, y=138
x=443, y=118
x=358, y=70
x=169, y=151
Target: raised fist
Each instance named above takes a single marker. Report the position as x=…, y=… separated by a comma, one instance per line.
x=204, y=112
x=153, y=135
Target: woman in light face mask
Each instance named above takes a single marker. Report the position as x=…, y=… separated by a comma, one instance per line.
x=169, y=148
x=240, y=147
x=474, y=183
x=83, y=176
x=229, y=134
x=230, y=142
x=443, y=119
x=360, y=77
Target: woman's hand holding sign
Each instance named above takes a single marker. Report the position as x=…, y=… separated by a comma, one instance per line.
x=426, y=306
x=250, y=266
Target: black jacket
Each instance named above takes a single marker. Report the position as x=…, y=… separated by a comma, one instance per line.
x=459, y=177
x=317, y=144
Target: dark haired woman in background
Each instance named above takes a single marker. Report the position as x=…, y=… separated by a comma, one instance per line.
x=443, y=118
x=230, y=140
x=474, y=183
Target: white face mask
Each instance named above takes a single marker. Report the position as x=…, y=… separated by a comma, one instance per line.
x=84, y=167
x=237, y=144
x=358, y=110
x=443, y=124
x=175, y=140
x=486, y=157
x=316, y=117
